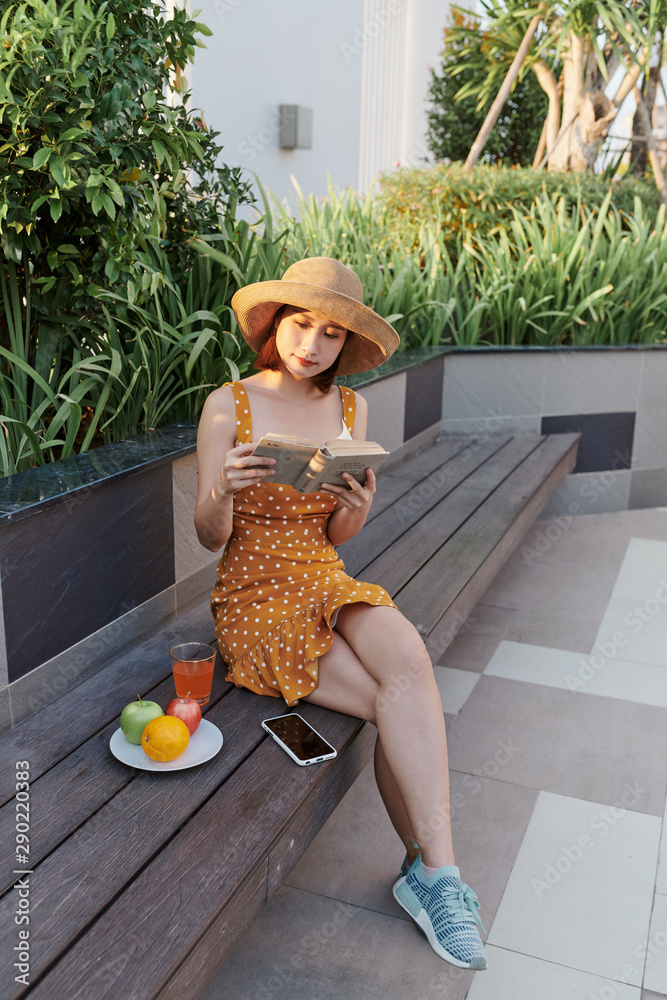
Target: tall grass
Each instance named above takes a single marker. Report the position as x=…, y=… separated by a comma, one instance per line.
x=149, y=357
x=554, y=274
x=557, y=274
x=45, y=383
x=574, y=277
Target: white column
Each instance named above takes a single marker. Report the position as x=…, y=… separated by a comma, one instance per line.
x=382, y=88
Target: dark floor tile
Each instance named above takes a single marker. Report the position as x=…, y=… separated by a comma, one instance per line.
x=476, y=641
x=555, y=632
x=586, y=746
x=305, y=946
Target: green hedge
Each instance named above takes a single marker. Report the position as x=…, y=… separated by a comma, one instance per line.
x=481, y=203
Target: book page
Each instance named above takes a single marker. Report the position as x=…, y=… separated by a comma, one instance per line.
x=292, y=455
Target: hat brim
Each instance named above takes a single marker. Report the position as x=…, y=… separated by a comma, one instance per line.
x=376, y=340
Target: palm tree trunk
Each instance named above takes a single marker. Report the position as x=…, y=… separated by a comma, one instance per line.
x=503, y=94
x=573, y=92
x=652, y=146
x=587, y=115
x=554, y=91
x=639, y=149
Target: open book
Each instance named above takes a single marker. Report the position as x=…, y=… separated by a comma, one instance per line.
x=301, y=463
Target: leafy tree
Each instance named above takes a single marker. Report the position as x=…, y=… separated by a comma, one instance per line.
x=453, y=122
x=593, y=39
x=94, y=152
x=97, y=148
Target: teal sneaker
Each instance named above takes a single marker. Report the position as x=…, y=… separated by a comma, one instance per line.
x=405, y=867
x=446, y=910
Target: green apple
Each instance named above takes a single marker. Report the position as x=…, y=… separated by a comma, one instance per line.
x=135, y=716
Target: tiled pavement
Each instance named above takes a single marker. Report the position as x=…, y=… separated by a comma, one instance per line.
x=555, y=696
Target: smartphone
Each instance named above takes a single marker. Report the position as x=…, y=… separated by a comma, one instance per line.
x=303, y=743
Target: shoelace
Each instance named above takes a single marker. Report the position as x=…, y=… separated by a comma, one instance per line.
x=458, y=901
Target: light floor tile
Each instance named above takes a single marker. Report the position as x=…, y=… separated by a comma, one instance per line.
x=635, y=629
x=655, y=974
x=511, y=976
x=661, y=880
x=643, y=570
x=581, y=891
x=454, y=687
x=520, y=661
x=643, y=683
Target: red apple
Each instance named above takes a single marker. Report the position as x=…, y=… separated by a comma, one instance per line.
x=186, y=709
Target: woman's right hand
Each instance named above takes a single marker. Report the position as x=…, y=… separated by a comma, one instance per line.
x=241, y=469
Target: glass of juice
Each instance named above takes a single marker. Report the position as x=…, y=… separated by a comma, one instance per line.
x=192, y=665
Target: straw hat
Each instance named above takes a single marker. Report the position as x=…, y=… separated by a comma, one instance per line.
x=325, y=286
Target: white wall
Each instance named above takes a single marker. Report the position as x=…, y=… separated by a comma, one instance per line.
x=361, y=65
x=264, y=53
x=426, y=24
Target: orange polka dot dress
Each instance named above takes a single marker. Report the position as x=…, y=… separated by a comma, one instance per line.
x=280, y=581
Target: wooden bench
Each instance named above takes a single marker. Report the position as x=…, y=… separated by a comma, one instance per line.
x=141, y=884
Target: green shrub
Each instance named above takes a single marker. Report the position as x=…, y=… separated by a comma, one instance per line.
x=93, y=155
x=481, y=203
x=96, y=145
x=555, y=273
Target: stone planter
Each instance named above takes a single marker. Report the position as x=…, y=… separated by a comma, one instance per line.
x=615, y=396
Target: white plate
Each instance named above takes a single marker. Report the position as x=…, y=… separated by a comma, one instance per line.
x=203, y=745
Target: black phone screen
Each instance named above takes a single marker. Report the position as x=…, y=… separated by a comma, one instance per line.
x=302, y=740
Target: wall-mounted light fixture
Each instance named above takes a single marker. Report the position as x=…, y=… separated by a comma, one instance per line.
x=296, y=127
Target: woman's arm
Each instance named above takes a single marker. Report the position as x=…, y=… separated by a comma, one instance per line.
x=222, y=469
x=353, y=505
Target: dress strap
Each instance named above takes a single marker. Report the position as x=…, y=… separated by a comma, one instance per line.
x=349, y=406
x=243, y=415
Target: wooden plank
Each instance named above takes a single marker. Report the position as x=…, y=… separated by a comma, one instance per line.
x=77, y=880
x=394, y=484
x=130, y=949
x=415, y=504
x=81, y=711
x=445, y=574
x=221, y=937
x=73, y=789
x=410, y=554
x=218, y=942
x=459, y=609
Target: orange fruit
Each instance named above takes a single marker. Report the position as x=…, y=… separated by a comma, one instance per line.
x=165, y=738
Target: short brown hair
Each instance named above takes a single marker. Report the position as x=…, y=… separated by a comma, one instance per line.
x=268, y=357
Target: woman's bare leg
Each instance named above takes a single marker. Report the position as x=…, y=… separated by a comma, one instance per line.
x=397, y=691
x=393, y=801
x=350, y=689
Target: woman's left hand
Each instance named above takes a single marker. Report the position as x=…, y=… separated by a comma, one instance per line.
x=359, y=497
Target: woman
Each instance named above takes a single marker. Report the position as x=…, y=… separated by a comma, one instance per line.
x=289, y=621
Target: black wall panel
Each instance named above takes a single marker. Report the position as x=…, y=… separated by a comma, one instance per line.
x=606, y=438
x=55, y=594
